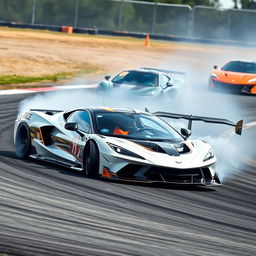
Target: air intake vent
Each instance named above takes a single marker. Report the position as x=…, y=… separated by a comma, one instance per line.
x=182, y=148
x=151, y=146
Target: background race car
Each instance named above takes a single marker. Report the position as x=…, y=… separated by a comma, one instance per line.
x=146, y=83
x=237, y=76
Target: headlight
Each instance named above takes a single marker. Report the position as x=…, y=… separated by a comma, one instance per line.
x=123, y=151
x=213, y=75
x=209, y=155
x=150, y=93
x=252, y=80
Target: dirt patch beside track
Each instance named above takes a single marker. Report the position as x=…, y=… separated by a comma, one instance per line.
x=37, y=53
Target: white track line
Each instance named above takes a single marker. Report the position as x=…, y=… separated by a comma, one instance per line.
x=77, y=86
x=46, y=89
x=17, y=91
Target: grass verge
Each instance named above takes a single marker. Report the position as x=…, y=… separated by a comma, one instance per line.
x=7, y=81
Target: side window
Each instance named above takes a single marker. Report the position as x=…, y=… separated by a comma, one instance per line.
x=82, y=118
x=164, y=80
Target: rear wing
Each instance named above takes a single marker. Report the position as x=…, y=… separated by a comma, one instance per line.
x=238, y=126
x=165, y=71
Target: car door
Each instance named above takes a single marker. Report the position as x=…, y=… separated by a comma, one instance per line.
x=84, y=125
x=69, y=144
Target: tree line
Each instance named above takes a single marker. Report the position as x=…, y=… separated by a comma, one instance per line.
x=133, y=17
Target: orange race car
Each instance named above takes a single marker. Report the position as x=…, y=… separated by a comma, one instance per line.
x=238, y=76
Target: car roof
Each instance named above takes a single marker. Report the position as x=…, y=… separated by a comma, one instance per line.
x=111, y=110
x=144, y=70
x=104, y=109
x=241, y=61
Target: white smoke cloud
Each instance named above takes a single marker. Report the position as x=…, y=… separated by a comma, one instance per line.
x=229, y=156
x=196, y=100
x=199, y=101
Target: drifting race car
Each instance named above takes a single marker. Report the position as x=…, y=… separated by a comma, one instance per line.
x=118, y=144
x=146, y=83
x=239, y=76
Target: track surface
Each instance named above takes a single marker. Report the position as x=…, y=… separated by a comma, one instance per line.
x=47, y=210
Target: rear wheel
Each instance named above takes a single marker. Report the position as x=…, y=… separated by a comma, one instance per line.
x=23, y=142
x=91, y=159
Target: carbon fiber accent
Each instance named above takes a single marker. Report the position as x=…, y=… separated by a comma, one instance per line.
x=163, y=174
x=174, y=175
x=129, y=171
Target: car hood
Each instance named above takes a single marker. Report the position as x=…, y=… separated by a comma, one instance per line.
x=138, y=90
x=234, y=77
x=129, y=89
x=169, y=156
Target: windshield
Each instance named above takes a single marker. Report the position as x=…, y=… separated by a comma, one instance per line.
x=135, y=126
x=136, y=78
x=238, y=66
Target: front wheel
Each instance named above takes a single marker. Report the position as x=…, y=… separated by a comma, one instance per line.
x=23, y=142
x=91, y=159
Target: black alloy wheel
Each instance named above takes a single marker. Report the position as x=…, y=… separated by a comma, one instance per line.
x=23, y=142
x=91, y=159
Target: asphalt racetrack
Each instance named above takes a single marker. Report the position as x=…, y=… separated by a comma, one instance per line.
x=50, y=210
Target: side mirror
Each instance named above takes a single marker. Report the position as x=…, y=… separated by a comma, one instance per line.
x=107, y=78
x=71, y=126
x=169, y=84
x=186, y=133
x=215, y=66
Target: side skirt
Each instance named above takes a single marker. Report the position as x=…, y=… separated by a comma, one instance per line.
x=55, y=161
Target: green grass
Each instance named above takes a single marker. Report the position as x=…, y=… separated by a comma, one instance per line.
x=14, y=79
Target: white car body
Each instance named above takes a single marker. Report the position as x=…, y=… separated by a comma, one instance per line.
x=55, y=136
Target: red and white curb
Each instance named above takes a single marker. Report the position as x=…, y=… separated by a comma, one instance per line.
x=46, y=89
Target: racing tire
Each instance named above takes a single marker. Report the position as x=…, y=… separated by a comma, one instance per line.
x=23, y=142
x=91, y=160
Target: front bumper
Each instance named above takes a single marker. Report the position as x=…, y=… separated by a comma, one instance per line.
x=156, y=174
x=239, y=88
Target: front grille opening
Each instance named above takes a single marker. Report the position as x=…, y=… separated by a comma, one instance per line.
x=128, y=171
x=182, y=148
x=227, y=86
x=174, y=175
x=163, y=174
x=207, y=174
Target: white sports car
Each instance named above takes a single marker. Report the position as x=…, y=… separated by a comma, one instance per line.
x=118, y=144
